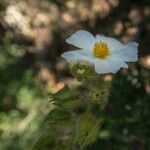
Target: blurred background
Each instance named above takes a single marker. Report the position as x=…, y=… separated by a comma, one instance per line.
x=32, y=38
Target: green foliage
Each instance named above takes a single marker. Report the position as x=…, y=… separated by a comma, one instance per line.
x=59, y=124
x=99, y=93
x=120, y=123
x=66, y=101
x=83, y=72
x=88, y=130
x=2, y=5
x=20, y=98
x=126, y=116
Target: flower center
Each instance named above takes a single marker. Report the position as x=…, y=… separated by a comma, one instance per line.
x=101, y=50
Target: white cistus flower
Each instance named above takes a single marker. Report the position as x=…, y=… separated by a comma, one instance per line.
x=107, y=54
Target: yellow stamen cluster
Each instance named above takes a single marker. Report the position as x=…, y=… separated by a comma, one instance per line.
x=101, y=50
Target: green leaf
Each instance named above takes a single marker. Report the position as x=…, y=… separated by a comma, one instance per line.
x=57, y=115
x=88, y=130
x=64, y=94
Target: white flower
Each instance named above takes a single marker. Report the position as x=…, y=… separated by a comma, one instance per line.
x=107, y=54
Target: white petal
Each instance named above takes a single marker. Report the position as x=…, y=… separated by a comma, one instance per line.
x=128, y=53
x=116, y=64
x=102, y=66
x=78, y=55
x=112, y=43
x=109, y=65
x=82, y=39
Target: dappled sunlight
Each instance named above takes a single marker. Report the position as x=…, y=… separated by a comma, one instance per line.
x=32, y=39
x=145, y=61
